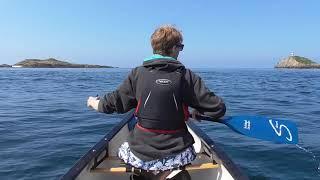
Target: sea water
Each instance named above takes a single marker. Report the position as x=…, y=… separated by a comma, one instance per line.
x=45, y=125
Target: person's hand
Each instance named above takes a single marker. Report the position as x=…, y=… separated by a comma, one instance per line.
x=93, y=102
x=194, y=114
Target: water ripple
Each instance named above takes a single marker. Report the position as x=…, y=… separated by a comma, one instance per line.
x=45, y=125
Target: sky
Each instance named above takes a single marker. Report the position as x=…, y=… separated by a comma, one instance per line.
x=227, y=34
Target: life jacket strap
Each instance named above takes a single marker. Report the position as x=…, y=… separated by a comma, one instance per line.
x=158, y=130
x=186, y=112
x=138, y=107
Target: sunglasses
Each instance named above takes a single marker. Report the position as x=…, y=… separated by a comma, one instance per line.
x=180, y=46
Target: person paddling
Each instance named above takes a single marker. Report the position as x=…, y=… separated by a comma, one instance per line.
x=161, y=90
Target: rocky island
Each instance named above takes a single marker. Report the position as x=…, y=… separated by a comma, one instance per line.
x=53, y=63
x=297, y=62
x=5, y=65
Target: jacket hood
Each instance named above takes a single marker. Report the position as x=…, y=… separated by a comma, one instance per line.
x=163, y=64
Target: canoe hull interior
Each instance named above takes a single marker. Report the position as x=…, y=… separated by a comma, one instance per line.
x=96, y=164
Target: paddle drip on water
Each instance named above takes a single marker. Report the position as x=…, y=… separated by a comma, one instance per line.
x=313, y=156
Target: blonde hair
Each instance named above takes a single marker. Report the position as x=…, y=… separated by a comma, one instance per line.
x=164, y=38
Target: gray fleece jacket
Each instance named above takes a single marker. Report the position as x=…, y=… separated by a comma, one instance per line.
x=150, y=145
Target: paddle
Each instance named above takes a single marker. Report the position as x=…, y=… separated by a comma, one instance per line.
x=276, y=130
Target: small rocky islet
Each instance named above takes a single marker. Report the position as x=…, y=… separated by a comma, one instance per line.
x=50, y=63
x=5, y=65
x=297, y=62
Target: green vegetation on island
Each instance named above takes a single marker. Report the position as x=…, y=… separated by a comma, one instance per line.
x=53, y=63
x=303, y=60
x=298, y=62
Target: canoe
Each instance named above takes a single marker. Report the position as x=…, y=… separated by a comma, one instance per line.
x=101, y=161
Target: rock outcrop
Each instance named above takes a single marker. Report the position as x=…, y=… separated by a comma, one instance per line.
x=5, y=65
x=53, y=63
x=297, y=62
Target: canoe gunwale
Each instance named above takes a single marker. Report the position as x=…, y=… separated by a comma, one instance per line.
x=214, y=148
x=96, y=150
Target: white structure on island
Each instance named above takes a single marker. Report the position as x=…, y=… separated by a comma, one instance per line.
x=16, y=66
x=292, y=54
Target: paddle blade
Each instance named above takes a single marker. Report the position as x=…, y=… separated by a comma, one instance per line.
x=276, y=130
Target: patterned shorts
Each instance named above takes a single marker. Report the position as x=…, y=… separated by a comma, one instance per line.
x=170, y=162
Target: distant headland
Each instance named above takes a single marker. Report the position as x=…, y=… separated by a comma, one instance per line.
x=5, y=65
x=50, y=63
x=297, y=62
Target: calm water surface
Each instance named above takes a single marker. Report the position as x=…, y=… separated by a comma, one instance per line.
x=45, y=125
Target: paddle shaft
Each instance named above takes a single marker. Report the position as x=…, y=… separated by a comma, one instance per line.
x=208, y=118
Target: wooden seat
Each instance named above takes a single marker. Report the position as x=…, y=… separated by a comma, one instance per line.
x=118, y=166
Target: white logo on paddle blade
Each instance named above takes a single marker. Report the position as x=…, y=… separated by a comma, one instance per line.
x=246, y=124
x=278, y=129
x=163, y=81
